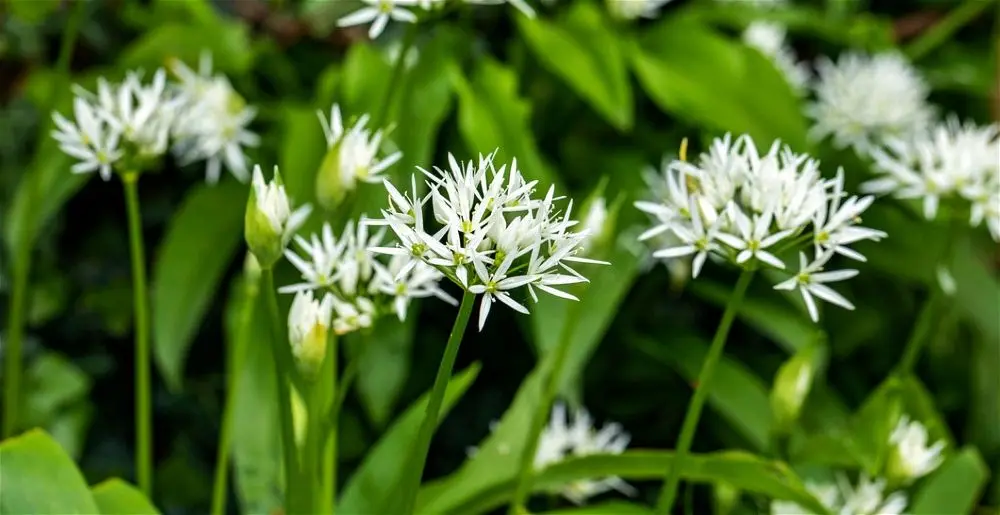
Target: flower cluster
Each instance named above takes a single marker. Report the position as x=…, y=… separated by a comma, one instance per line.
x=379, y=12
x=494, y=237
x=561, y=440
x=361, y=287
x=352, y=156
x=128, y=126
x=747, y=208
x=861, y=100
x=948, y=161
x=911, y=458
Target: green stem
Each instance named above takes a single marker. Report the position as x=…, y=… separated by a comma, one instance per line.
x=672, y=476
x=415, y=467
x=282, y=364
x=946, y=28
x=925, y=321
x=143, y=407
x=22, y=255
x=235, y=370
x=328, y=443
x=379, y=119
x=549, y=390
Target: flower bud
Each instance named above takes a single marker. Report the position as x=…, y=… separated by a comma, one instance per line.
x=791, y=387
x=308, y=328
x=269, y=221
x=910, y=457
x=331, y=188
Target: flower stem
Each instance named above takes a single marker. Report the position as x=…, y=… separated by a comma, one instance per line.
x=397, y=72
x=328, y=438
x=944, y=29
x=236, y=369
x=549, y=390
x=915, y=344
x=143, y=407
x=282, y=364
x=418, y=457
x=22, y=253
x=673, y=475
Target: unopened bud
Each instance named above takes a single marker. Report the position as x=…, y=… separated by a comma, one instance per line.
x=791, y=387
x=308, y=328
x=269, y=222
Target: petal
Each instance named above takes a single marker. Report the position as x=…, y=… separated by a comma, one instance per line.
x=484, y=309
x=513, y=304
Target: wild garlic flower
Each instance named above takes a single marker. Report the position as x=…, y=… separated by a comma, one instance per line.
x=90, y=139
x=861, y=100
x=949, y=162
x=868, y=498
x=378, y=13
x=213, y=121
x=769, y=39
x=493, y=237
x=308, y=328
x=911, y=457
x=351, y=157
x=363, y=287
x=562, y=440
x=747, y=208
x=634, y=9
x=811, y=280
x=270, y=221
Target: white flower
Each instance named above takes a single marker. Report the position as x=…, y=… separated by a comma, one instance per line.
x=949, y=160
x=754, y=237
x=351, y=157
x=520, y=5
x=489, y=226
x=769, y=39
x=90, y=140
x=827, y=494
x=632, y=9
x=810, y=282
x=911, y=457
x=844, y=499
x=594, y=222
x=352, y=316
x=834, y=223
x=560, y=441
x=378, y=13
x=322, y=255
x=420, y=281
x=212, y=123
x=308, y=326
x=696, y=239
x=861, y=100
x=270, y=222
x=142, y=113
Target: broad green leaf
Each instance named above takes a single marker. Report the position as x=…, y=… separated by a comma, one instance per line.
x=39, y=478
x=692, y=71
x=874, y=422
x=32, y=13
x=57, y=400
x=370, y=489
x=366, y=73
x=384, y=365
x=919, y=405
x=834, y=448
x=301, y=151
x=583, y=50
x=228, y=42
x=116, y=497
x=199, y=245
x=792, y=384
x=742, y=470
x=954, y=487
x=735, y=392
x=605, y=508
x=492, y=115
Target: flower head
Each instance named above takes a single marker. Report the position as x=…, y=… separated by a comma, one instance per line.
x=352, y=156
x=378, y=13
x=949, y=161
x=911, y=457
x=493, y=236
x=308, y=327
x=860, y=100
x=868, y=498
x=561, y=440
x=270, y=221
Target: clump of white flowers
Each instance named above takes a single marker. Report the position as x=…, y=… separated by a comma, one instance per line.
x=769, y=39
x=351, y=156
x=270, y=221
x=633, y=9
x=212, y=122
x=493, y=236
x=379, y=12
x=740, y=206
x=869, y=497
x=362, y=287
x=911, y=457
x=128, y=126
x=949, y=162
x=561, y=440
x=308, y=329
x=861, y=100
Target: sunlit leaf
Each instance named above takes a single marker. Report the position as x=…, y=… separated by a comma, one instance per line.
x=39, y=478
x=954, y=487
x=116, y=497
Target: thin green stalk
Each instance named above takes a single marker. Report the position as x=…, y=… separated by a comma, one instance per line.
x=143, y=406
x=947, y=27
x=22, y=253
x=281, y=370
x=415, y=467
x=549, y=390
x=397, y=73
x=236, y=368
x=328, y=446
x=925, y=321
x=672, y=476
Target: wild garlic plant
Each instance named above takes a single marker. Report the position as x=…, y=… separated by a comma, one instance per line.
x=379, y=12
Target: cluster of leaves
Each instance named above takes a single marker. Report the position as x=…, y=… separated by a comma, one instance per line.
x=577, y=99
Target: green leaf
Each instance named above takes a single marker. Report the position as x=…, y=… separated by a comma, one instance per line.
x=605, y=508
x=384, y=365
x=301, y=151
x=919, y=405
x=39, y=478
x=199, y=245
x=735, y=392
x=228, y=42
x=954, y=487
x=491, y=115
x=32, y=13
x=57, y=400
x=370, y=489
x=584, y=51
x=690, y=70
x=366, y=73
x=52, y=184
x=874, y=422
x=793, y=382
x=741, y=470
x=116, y=497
